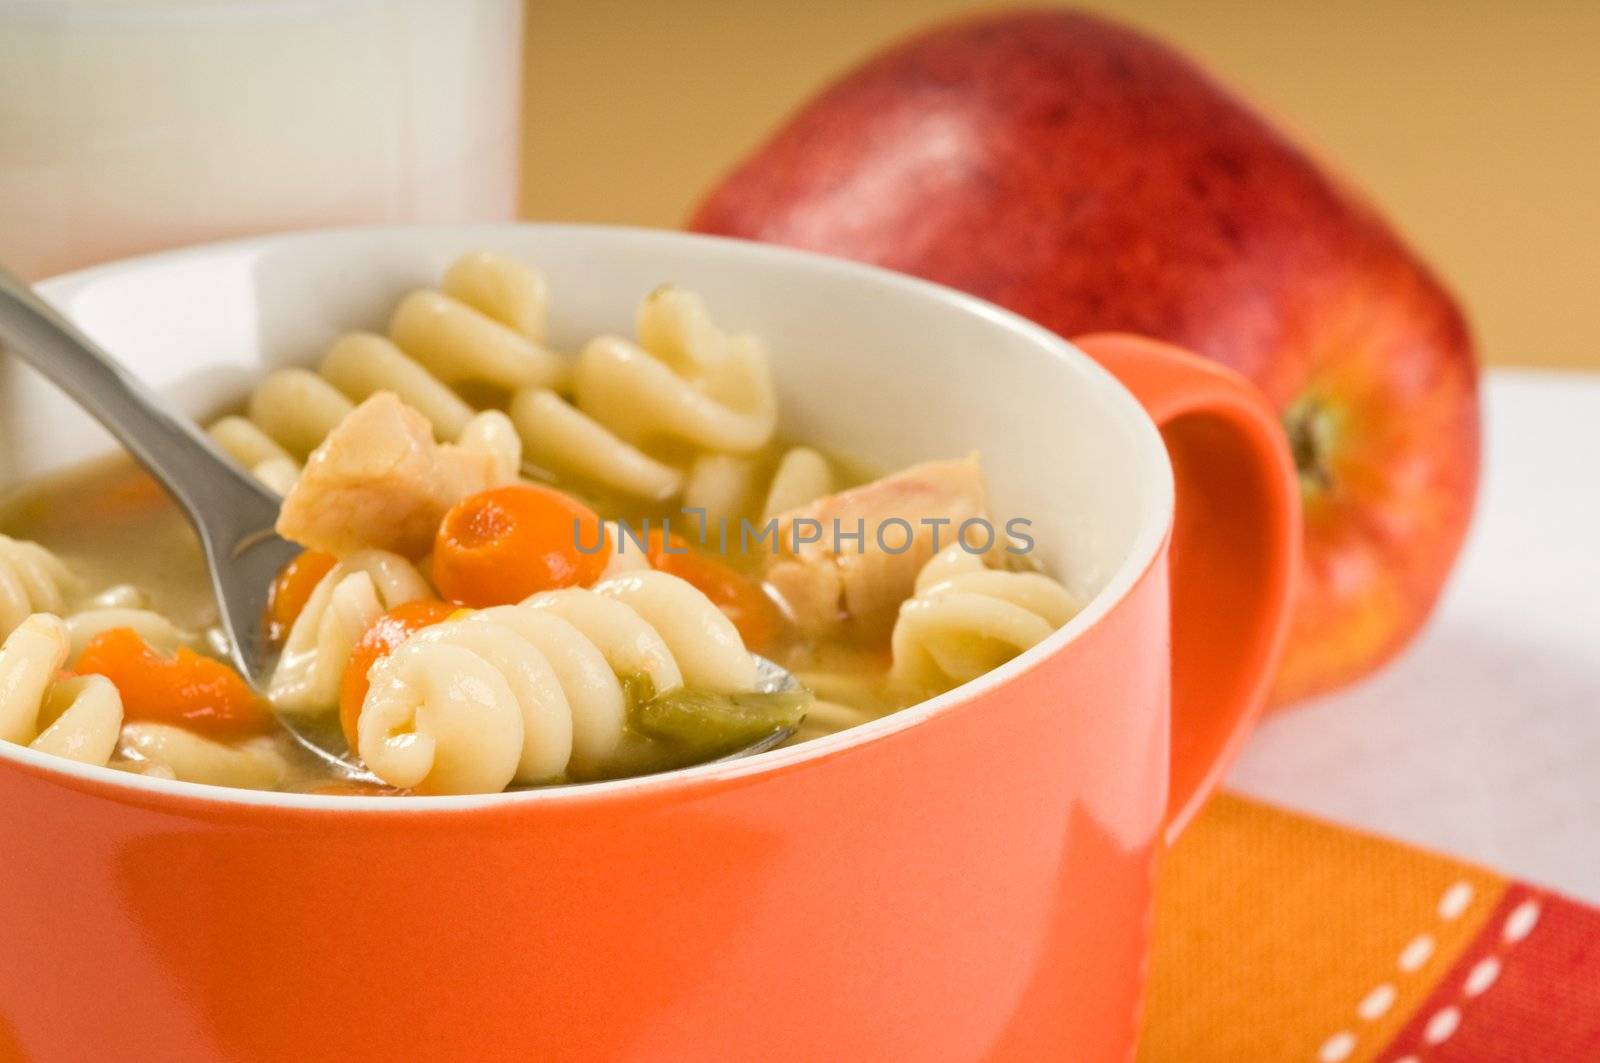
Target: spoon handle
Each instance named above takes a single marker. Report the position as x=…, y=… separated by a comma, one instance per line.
x=231, y=511
x=177, y=453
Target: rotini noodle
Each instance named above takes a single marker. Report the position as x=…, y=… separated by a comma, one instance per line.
x=803, y=476
x=685, y=380
x=485, y=327
x=440, y=719
x=362, y=364
x=77, y=717
x=459, y=343
x=720, y=486
x=151, y=626
x=629, y=553
x=526, y=693
x=297, y=408
x=567, y=705
x=561, y=438
x=279, y=475
x=966, y=618
x=32, y=580
x=346, y=601
x=513, y=294
x=117, y=596
x=162, y=750
x=665, y=628
x=729, y=486
x=293, y=410
x=684, y=385
x=148, y=768
x=491, y=432
x=259, y=453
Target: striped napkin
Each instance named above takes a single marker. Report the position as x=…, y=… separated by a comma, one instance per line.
x=1280, y=937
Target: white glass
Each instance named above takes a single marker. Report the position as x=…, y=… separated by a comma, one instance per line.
x=132, y=125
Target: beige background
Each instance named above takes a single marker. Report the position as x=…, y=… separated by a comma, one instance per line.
x=1476, y=123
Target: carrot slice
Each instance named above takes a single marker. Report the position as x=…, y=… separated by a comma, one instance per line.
x=188, y=690
x=380, y=639
x=739, y=597
x=292, y=589
x=498, y=546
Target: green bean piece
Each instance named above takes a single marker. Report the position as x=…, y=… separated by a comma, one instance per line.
x=637, y=689
x=711, y=724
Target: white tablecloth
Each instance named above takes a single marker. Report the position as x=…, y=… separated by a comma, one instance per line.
x=1483, y=740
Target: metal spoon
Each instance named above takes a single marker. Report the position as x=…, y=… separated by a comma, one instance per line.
x=232, y=512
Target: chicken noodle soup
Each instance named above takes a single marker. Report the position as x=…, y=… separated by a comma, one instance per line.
x=518, y=566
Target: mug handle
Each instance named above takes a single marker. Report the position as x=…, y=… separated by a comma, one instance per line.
x=1235, y=550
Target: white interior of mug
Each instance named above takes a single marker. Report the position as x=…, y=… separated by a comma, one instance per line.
x=876, y=366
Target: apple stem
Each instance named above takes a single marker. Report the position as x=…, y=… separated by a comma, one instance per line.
x=1311, y=430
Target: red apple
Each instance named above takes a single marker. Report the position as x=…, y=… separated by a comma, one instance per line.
x=1091, y=178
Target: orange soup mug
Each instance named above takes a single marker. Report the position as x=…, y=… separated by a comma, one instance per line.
x=970, y=879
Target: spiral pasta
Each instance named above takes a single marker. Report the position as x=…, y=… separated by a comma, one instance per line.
x=485, y=327
x=803, y=475
x=703, y=650
x=629, y=550
x=77, y=718
x=966, y=618
x=345, y=602
x=148, y=768
x=117, y=596
x=685, y=386
x=728, y=486
x=527, y=693
x=686, y=379
x=261, y=455
x=491, y=432
x=511, y=293
x=155, y=629
x=32, y=580
x=362, y=364
x=294, y=410
x=297, y=408
x=163, y=751
x=559, y=437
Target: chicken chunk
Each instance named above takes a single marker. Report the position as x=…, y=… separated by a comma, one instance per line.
x=379, y=481
x=839, y=578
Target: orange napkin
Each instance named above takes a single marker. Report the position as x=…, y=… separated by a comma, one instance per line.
x=1280, y=937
